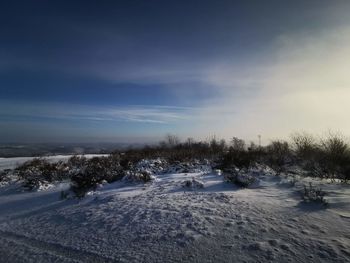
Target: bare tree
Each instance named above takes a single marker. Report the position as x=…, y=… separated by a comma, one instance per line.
x=172, y=140
x=238, y=144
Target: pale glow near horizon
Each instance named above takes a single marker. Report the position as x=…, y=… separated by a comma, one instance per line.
x=304, y=86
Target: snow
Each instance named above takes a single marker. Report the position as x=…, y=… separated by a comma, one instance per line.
x=162, y=221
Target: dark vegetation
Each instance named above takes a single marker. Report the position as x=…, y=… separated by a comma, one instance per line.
x=86, y=174
x=40, y=171
x=242, y=180
x=313, y=195
x=327, y=157
x=5, y=175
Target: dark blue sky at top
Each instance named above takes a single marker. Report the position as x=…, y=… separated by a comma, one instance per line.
x=126, y=53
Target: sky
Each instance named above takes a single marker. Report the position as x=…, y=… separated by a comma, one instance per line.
x=133, y=71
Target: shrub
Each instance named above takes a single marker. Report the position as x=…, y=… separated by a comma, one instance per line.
x=336, y=148
x=305, y=145
x=77, y=162
x=172, y=140
x=217, y=147
x=293, y=181
x=237, y=155
x=5, y=176
x=193, y=184
x=39, y=171
x=241, y=157
x=64, y=195
x=345, y=173
x=93, y=172
x=173, y=150
x=278, y=153
x=145, y=176
x=314, y=195
x=136, y=176
x=327, y=158
x=336, y=156
x=131, y=157
x=308, y=153
x=238, y=144
x=240, y=179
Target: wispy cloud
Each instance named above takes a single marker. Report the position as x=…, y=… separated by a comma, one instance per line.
x=133, y=113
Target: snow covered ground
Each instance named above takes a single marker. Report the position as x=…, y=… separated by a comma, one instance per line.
x=165, y=221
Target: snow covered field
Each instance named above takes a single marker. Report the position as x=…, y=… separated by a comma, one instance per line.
x=163, y=221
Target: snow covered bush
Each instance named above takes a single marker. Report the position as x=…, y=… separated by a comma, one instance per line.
x=154, y=166
x=292, y=181
x=88, y=174
x=130, y=158
x=193, y=184
x=145, y=169
x=245, y=180
x=94, y=171
x=39, y=171
x=77, y=162
x=312, y=194
x=6, y=176
x=195, y=166
x=135, y=176
x=241, y=179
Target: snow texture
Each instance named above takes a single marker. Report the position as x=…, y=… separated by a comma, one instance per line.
x=162, y=221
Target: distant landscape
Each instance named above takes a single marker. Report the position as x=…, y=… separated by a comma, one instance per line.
x=47, y=149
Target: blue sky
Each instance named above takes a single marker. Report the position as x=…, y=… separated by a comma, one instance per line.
x=136, y=70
